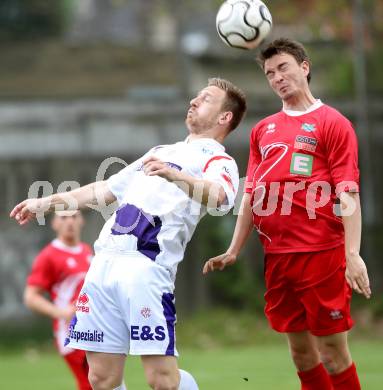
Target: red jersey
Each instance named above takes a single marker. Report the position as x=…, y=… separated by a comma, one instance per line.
x=61, y=270
x=298, y=164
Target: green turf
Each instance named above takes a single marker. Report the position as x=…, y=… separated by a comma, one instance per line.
x=264, y=367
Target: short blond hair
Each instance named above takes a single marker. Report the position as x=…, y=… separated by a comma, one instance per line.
x=235, y=101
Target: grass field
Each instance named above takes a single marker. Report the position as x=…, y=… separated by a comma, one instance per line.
x=264, y=367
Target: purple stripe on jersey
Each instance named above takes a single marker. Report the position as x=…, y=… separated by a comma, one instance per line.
x=170, y=316
x=131, y=220
x=71, y=327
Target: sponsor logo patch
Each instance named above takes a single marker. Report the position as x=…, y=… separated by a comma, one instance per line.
x=90, y=335
x=145, y=333
x=305, y=143
x=301, y=164
x=207, y=151
x=336, y=315
x=146, y=312
x=71, y=262
x=82, y=303
x=270, y=128
x=310, y=128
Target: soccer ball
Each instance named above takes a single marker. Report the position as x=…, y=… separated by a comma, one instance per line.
x=243, y=24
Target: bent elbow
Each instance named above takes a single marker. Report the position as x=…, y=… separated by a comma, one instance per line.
x=27, y=299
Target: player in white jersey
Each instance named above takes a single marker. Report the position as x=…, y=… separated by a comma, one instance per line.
x=127, y=302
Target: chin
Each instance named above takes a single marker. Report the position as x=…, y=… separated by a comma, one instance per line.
x=287, y=95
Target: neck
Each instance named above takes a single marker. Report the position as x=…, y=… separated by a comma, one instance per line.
x=210, y=134
x=72, y=241
x=299, y=102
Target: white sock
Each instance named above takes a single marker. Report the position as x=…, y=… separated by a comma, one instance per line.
x=121, y=387
x=187, y=382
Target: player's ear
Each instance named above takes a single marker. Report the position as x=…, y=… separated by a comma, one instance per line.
x=225, y=118
x=306, y=67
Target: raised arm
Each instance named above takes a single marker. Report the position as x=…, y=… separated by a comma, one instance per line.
x=86, y=196
x=242, y=230
x=356, y=270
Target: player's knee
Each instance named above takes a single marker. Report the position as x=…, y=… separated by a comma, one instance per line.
x=102, y=381
x=163, y=380
x=335, y=357
x=304, y=358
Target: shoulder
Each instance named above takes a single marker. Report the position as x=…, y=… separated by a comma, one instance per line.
x=332, y=117
x=86, y=248
x=267, y=121
x=47, y=252
x=218, y=157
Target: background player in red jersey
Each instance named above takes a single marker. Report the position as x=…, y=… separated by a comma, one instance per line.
x=303, y=161
x=59, y=270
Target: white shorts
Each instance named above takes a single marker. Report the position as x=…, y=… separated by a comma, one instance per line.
x=125, y=306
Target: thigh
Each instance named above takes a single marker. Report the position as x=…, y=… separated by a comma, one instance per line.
x=150, y=315
x=98, y=324
x=327, y=299
x=302, y=341
x=283, y=308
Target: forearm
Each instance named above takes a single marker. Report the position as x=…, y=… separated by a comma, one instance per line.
x=243, y=227
x=352, y=222
x=89, y=195
x=203, y=191
x=39, y=304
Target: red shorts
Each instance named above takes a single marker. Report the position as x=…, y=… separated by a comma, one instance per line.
x=308, y=291
x=78, y=364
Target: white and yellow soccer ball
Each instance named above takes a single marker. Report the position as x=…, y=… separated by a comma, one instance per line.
x=243, y=24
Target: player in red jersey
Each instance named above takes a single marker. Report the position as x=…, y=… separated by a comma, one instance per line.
x=59, y=270
x=301, y=195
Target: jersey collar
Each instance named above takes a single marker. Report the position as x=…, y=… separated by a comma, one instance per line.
x=318, y=103
x=58, y=244
x=205, y=142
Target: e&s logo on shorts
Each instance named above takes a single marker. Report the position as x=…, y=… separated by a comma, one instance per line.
x=145, y=333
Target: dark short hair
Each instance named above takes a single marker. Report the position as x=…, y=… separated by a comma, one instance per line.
x=284, y=45
x=235, y=100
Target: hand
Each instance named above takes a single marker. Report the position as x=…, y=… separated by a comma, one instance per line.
x=356, y=275
x=28, y=209
x=219, y=262
x=153, y=166
x=66, y=313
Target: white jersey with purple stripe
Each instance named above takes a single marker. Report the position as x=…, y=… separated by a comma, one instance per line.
x=157, y=218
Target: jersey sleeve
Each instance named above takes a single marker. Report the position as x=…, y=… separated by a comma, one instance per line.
x=118, y=182
x=342, y=154
x=255, y=159
x=42, y=273
x=223, y=170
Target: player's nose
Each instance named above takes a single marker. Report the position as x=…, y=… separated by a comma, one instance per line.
x=194, y=102
x=278, y=77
